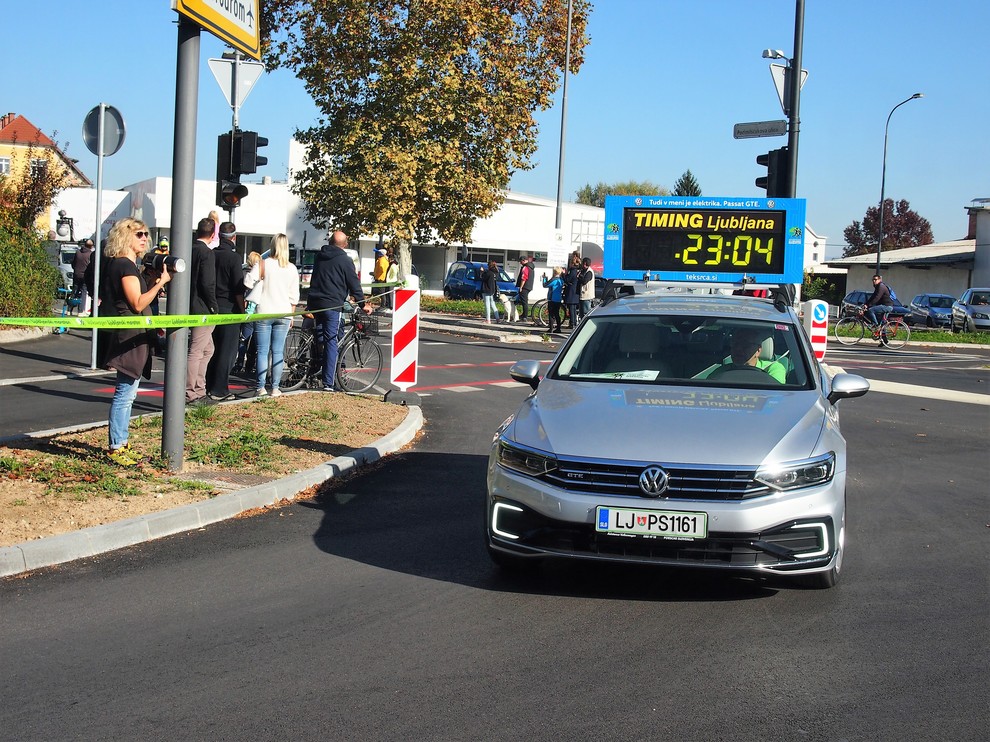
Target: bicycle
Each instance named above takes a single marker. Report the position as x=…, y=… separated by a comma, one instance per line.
x=892, y=333
x=359, y=359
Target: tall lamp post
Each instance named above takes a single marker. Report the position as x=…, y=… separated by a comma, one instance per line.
x=883, y=176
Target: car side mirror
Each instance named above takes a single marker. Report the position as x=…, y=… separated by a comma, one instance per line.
x=847, y=386
x=526, y=372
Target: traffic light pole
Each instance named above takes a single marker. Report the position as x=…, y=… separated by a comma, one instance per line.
x=183, y=181
x=794, y=113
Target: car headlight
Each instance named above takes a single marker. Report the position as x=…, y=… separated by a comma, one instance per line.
x=980, y=315
x=797, y=474
x=524, y=460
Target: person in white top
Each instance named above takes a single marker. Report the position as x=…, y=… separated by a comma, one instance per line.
x=279, y=295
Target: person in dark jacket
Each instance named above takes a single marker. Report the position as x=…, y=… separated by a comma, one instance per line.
x=79, y=265
x=880, y=301
x=334, y=280
x=489, y=291
x=525, y=280
x=572, y=291
x=230, y=300
x=124, y=293
x=202, y=300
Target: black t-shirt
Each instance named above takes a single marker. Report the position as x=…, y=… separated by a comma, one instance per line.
x=112, y=290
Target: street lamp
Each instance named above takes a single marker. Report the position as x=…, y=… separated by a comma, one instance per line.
x=63, y=227
x=883, y=175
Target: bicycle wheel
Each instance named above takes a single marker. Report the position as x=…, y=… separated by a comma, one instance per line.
x=541, y=313
x=299, y=359
x=359, y=364
x=895, y=334
x=849, y=330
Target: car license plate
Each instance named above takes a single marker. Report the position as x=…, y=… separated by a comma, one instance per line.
x=668, y=523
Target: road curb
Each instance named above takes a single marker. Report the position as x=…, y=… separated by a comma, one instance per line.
x=89, y=542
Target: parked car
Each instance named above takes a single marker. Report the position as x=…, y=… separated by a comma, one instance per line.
x=649, y=441
x=930, y=310
x=463, y=281
x=972, y=311
x=854, y=301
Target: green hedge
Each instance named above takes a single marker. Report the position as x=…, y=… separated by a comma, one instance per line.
x=28, y=283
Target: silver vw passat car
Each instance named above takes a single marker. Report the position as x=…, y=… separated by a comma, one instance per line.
x=677, y=430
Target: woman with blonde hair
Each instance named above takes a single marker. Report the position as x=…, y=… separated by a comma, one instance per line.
x=124, y=293
x=279, y=295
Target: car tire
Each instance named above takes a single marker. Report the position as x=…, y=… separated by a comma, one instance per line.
x=930, y=323
x=477, y=296
x=447, y=293
x=969, y=325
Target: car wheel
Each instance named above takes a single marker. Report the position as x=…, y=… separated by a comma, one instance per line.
x=929, y=322
x=952, y=325
x=447, y=293
x=477, y=296
x=969, y=325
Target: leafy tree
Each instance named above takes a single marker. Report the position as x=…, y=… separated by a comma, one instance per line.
x=902, y=227
x=426, y=106
x=686, y=185
x=595, y=195
x=818, y=287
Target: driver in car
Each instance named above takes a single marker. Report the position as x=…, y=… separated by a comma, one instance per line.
x=744, y=350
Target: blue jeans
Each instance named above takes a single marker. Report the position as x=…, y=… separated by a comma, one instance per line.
x=585, y=308
x=491, y=307
x=120, y=408
x=331, y=331
x=269, y=337
x=876, y=311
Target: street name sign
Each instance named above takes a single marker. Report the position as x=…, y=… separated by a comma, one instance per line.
x=759, y=129
x=232, y=21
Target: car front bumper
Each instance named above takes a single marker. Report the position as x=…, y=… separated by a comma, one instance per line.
x=795, y=533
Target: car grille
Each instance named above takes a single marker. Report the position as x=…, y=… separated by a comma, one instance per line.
x=621, y=479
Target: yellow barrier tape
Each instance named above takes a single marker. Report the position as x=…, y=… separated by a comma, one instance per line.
x=150, y=322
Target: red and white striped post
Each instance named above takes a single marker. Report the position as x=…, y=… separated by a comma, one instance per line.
x=816, y=325
x=405, y=335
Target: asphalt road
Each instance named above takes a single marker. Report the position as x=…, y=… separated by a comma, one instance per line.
x=372, y=612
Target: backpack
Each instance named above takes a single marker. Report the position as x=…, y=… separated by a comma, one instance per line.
x=893, y=296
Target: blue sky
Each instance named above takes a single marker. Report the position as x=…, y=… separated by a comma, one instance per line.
x=662, y=85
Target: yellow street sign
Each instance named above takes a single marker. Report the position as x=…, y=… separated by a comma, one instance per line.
x=233, y=21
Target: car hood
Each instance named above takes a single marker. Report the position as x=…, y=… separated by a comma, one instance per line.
x=668, y=424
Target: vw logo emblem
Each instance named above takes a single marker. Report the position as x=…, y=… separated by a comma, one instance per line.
x=653, y=481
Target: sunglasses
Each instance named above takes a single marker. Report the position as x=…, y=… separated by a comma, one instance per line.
x=142, y=234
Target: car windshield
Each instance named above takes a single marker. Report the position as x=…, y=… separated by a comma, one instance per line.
x=941, y=302
x=685, y=350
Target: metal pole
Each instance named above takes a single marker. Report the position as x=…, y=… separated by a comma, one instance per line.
x=794, y=114
x=883, y=175
x=183, y=180
x=563, y=124
x=95, y=300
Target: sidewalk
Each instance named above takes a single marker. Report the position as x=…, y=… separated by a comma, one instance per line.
x=89, y=542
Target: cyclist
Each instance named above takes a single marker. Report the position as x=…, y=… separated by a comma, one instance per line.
x=880, y=302
x=334, y=280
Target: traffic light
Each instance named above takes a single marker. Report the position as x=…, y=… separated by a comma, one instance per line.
x=230, y=192
x=778, y=165
x=246, y=159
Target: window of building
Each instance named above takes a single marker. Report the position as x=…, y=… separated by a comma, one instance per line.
x=4, y=166
x=39, y=166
